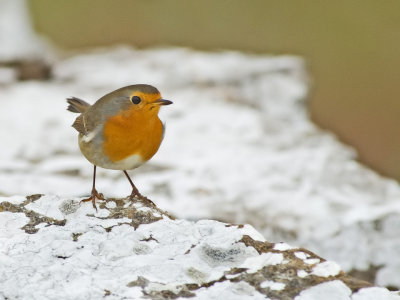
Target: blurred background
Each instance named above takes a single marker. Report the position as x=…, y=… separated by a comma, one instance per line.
x=351, y=49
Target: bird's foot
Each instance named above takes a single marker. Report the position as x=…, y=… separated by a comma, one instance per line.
x=135, y=195
x=95, y=195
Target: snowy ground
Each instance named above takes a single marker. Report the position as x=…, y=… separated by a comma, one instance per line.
x=58, y=248
x=239, y=147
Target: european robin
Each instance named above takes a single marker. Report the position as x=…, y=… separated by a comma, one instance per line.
x=121, y=131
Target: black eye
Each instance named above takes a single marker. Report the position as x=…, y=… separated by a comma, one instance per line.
x=136, y=99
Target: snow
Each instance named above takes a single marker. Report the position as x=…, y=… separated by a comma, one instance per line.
x=301, y=255
x=237, y=148
x=229, y=291
x=326, y=269
x=51, y=264
x=389, y=276
x=337, y=290
x=81, y=253
x=302, y=273
x=10, y=224
x=254, y=264
x=332, y=290
x=374, y=293
x=312, y=261
x=276, y=286
x=283, y=247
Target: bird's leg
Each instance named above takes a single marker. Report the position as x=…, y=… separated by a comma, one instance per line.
x=94, y=193
x=135, y=191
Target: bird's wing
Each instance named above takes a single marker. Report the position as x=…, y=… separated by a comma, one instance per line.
x=80, y=125
x=91, y=120
x=89, y=124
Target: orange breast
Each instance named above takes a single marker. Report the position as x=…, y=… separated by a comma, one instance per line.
x=132, y=133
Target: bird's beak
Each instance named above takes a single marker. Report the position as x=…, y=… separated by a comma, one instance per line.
x=162, y=102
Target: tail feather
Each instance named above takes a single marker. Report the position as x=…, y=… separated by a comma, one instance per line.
x=77, y=105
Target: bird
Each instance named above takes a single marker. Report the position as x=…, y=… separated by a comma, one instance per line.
x=120, y=131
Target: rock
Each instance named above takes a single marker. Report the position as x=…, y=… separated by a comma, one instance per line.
x=59, y=248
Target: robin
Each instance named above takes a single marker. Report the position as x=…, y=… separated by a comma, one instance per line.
x=121, y=131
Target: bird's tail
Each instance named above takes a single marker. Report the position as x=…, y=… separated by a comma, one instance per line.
x=77, y=105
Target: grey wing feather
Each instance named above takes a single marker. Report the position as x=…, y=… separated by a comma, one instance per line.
x=87, y=122
x=80, y=125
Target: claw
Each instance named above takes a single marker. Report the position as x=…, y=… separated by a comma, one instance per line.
x=141, y=198
x=95, y=195
x=135, y=192
x=138, y=195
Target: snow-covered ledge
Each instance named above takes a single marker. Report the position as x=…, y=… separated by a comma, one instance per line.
x=59, y=248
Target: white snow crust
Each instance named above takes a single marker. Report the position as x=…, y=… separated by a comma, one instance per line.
x=91, y=256
x=49, y=264
x=337, y=290
x=331, y=290
x=326, y=269
x=277, y=286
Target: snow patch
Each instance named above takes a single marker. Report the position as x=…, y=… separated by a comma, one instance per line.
x=374, y=293
x=283, y=247
x=253, y=264
x=326, y=269
x=301, y=255
x=272, y=285
x=332, y=290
